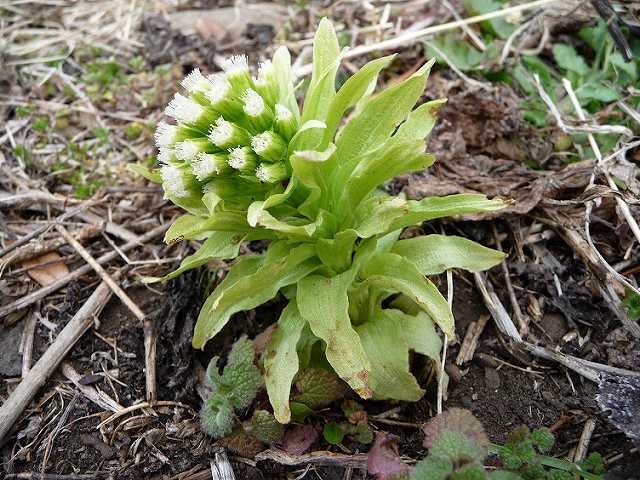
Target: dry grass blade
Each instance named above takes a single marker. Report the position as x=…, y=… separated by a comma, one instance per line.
x=408, y=38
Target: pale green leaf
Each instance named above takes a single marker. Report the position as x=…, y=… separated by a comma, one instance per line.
x=337, y=252
x=351, y=92
x=222, y=245
x=149, y=174
x=398, y=275
x=250, y=290
x=323, y=302
x=193, y=227
x=433, y=254
x=568, y=59
x=376, y=167
x=258, y=216
x=389, y=355
x=419, y=123
x=380, y=115
x=382, y=213
x=321, y=91
x=284, y=75
x=281, y=360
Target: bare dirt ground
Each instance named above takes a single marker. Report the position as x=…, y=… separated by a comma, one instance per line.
x=82, y=86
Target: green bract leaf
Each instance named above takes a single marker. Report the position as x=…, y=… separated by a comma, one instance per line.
x=377, y=119
x=398, y=275
x=250, y=287
x=351, y=92
x=221, y=245
x=317, y=388
x=284, y=76
x=383, y=214
x=324, y=304
x=388, y=352
x=337, y=253
x=326, y=60
x=281, y=360
x=433, y=254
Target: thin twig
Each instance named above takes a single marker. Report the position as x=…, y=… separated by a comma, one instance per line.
x=522, y=323
x=583, y=445
x=40, y=230
x=410, y=37
x=98, y=397
x=495, y=307
x=470, y=341
x=31, y=250
x=357, y=460
x=149, y=336
x=445, y=341
x=107, y=257
x=38, y=375
x=27, y=341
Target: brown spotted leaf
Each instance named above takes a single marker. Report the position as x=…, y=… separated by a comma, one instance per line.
x=317, y=387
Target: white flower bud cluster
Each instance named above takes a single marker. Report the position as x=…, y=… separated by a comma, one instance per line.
x=225, y=125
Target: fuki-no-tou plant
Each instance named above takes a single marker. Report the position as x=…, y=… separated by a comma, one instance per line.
x=247, y=164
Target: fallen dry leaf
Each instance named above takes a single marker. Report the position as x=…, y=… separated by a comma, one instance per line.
x=50, y=271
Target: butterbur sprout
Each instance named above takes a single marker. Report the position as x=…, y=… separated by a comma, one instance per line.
x=248, y=165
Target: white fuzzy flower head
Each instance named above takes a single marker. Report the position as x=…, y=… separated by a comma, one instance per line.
x=283, y=114
x=165, y=155
x=196, y=82
x=184, y=109
x=261, y=142
x=222, y=132
x=235, y=65
x=219, y=88
x=165, y=134
x=253, y=103
x=187, y=150
x=271, y=172
x=173, y=182
x=265, y=71
x=240, y=158
x=207, y=165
